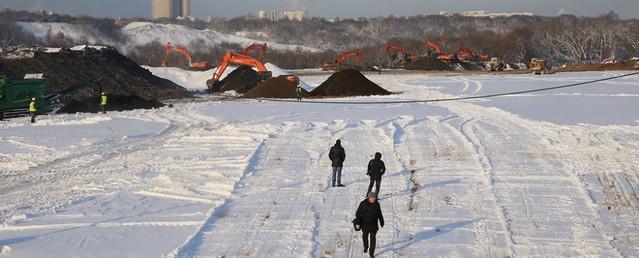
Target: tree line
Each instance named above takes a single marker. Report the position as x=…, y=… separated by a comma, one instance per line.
x=564, y=39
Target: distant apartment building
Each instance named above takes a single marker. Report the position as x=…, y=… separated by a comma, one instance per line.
x=482, y=13
x=170, y=8
x=292, y=15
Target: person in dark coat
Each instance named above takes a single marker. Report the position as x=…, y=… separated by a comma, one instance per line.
x=366, y=217
x=376, y=170
x=337, y=156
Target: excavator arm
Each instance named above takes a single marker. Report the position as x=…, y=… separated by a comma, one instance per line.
x=435, y=51
x=170, y=48
x=238, y=59
x=467, y=54
x=390, y=48
x=356, y=54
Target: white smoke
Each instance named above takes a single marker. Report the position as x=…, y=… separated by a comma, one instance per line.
x=562, y=11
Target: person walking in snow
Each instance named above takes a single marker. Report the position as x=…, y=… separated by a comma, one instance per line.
x=366, y=217
x=103, y=102
x=376, y=170
x=33, y=110
x=337, y=156
x=299, y=92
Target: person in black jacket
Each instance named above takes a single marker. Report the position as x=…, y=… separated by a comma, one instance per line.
x=366, y=217
x=376, y=170
x=337, y=156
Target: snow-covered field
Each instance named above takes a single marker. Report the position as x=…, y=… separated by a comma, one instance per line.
x=552, y=174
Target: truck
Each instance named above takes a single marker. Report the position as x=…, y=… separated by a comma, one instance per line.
x=15, y=96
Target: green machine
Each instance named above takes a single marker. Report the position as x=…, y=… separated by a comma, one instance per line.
x=15, y=96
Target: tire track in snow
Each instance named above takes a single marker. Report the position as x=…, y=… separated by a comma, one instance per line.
x=578, y=235
x=189, y=248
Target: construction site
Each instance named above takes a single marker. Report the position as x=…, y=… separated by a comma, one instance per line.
x=217, y=149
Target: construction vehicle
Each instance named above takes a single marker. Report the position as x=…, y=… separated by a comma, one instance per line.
x=241, y=59
x=403, y=57
x=170, y=48
x=465, y=54
x=262, y=48
x=434, y=51
x=538, y=66
x=496, y=64
x=15, y=96
x=340, y=63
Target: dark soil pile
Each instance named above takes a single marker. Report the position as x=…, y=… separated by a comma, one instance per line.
x=348, y=83
x=241, y=80
x=428, y=64
x=626, y=65
x=115, y=103
x=120, y=75
x=276, y=87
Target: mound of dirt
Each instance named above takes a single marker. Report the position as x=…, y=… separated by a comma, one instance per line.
x=120, y=75
x=276, y=87
x=116, y=103
x=428, y=64
x=241, y=80
x=347, y=83
x=626, y=65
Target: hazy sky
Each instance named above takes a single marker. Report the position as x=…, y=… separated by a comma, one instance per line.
x=333, y=8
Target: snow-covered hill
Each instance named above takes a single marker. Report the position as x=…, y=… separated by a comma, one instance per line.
x=142, y=33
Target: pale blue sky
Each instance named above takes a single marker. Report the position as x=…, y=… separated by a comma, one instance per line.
x=333, y=8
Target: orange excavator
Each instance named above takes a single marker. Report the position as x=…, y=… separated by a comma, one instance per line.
x=256, y=47
x=337, y=65
x=405, y=56
x=467, y=55
x=435, y=51
x=241, y=59
x=168, y=48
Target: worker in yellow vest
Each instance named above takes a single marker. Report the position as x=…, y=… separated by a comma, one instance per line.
x=33, y=110
x=103, y=102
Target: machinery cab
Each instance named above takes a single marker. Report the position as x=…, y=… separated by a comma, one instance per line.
x=15, y=96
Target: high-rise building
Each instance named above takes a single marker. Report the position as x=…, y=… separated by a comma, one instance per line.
x=170, y=8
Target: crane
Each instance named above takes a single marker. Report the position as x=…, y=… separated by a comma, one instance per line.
x=169, y=48
x=262, y=48
x=356, y=54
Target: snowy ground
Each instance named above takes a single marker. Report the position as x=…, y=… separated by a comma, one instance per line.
x=552, y=174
